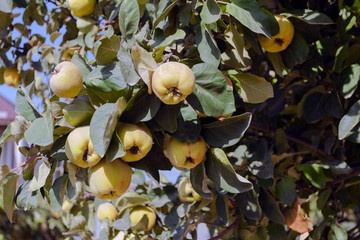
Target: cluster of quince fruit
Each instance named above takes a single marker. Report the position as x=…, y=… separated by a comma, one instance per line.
x=172, y=82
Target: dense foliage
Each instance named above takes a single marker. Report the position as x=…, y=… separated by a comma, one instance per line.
x=282, y=128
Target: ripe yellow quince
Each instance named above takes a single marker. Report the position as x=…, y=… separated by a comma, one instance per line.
x=280, y=41
x=136, y=139
x=66, y=80
x=172, y=82
x=80, y=8
x=79, y=148
x=12, y=77
x=187, y=192
x=106, y=210
x=137, y=213
x=109, y=180
x=184, y=154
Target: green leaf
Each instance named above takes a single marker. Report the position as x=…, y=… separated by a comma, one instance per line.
x=339, y=231
x=199, y=181
x=164, y=12
x=144, y=63
x=4, y=170
x=350, y=78
x=8, y=194
x=163, y=40
x=24, y=105
x=116, y=148
x=249, y=204
x=166, y=117
x=210, y=12
x=314, y=107
x=310, y=16
x=212, y=95
x=285, y=190
x=45, y=136
x=349, y=121
x=6, y=6
x=54, y=36
x=106, y=49
x=127, y=67
x=103, y=124
x=270, y=207
x=277, y=62
x=341, y=55
x=251, y=88
x=26, y=199
x=260, y=163
x=6, y=135
x=236, y=54
x=227, y=132
x=58, y=148
x=79, y=112
x=314, y=173
x=208, y=50
x=129, y=25
x=130, y=199
x=220, y=171
x=122, y=223
x=106, y=79
x=79, y=61
x=249, y=14
x=39, y=179
x=18, y=128
x=297, y=52
x=188, y=125
x=141, y=107
x=57, y=192
x=77, y=225
x=277, y=231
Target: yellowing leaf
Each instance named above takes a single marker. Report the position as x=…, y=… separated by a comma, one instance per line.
x=254, y=89
x=296, y=220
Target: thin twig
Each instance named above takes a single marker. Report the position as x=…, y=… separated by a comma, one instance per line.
x=228, y=229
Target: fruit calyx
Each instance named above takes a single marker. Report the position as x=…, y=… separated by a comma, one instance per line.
x=279, y=41
x=134, y=150
x=189, y=160
x=86, y=155
x=176, y=92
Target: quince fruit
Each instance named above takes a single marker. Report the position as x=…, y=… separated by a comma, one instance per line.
x=184, y=154
x=280, y=41
x=136, y=139
x=172, y=82
x=12, y=77
x=137, y=213
x=109, y=180
x=79, y=148
x=106, y=210
x=187, y=192
x=67, y=80
x=80, y=8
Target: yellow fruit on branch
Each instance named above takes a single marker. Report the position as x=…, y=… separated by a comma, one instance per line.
x=187, y=192
x=184, y=154
x=12, y=77
x=79, y=148
x=80, y=8
x=106, y=210
x=109, y=180
x=136, y=139
x=280, y=41
x=137, y=213
x=67, y=80
x=172, y=82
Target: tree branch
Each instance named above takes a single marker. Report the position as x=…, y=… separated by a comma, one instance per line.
x=228, y=229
